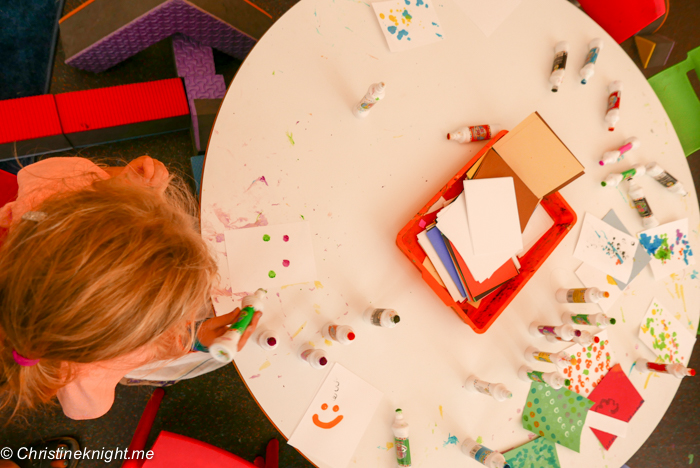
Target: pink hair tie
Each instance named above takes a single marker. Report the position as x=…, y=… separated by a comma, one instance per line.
x=23, y=361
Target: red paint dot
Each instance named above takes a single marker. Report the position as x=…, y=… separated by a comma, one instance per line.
x=324, y=406
x=285, y=238
x=351, y=336
x=271, y=341
x=336, y=408
x=285, y=263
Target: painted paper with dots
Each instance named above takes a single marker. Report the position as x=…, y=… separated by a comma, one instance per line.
x=270, y=256
x=538, y=453
x=557, y=415
x=665, y=335
x=669, y=248
x=589, y=364
x=407, y=24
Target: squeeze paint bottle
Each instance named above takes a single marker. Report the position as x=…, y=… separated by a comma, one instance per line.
x=226, y=346
x=618, y=155
x=316, y=358
x=599, y=320
x=595, y=46
x=497, y=390
x=561, y=359
x=403, y=447
x=636, y=193
x=612, y=115
x=386, y=318
x=553, y=379
x=580, y=295
x=665, y=179
x=676, y=369
x=268, y=340
x=585, y=338
x=343, y=334
x=375, y=93
x=561, y=53
x=475, y=133
x=613, y=180
x=560, y=333
x=483, y=455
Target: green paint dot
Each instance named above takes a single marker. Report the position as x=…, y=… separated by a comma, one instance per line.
x=272, y=274
x=266, y=238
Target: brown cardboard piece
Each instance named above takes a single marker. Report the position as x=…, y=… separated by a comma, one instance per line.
x=539, y=162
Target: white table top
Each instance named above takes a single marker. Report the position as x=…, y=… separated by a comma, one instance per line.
x=358, y=182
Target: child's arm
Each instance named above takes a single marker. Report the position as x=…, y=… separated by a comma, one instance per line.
x=217, y=326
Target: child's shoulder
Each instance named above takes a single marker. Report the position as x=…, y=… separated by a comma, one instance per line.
x=59, y=168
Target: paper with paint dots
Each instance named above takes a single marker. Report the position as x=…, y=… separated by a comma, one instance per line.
x=557, y=415
x=589, y=364
x=270, y=256
x=408, y=24
x=669, y=248
x=538, y=453
x=665, y=335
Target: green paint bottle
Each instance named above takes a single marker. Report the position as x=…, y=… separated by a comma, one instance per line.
x=403, y=447
x=226, y=346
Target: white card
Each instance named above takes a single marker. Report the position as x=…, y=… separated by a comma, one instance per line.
x=537, y=226
x=492, y=212
x=270, y=256
x=594, y=278
x=439, y=266
x=669, y=247
x=665, y=335
x=606, y=248
x=337, y=418
x=607, y=424
x=488, y=16
x=408, y=24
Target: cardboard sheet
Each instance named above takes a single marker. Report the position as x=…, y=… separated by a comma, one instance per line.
x=589, y=364
x=665, y=335
x=407, y=24
x=641, y=257
x=538, y=453
x=669, y=247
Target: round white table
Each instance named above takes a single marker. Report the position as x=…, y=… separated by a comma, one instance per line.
x=359, y=181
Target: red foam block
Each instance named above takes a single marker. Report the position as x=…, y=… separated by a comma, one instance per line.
x=623, y=19
x=29, y=118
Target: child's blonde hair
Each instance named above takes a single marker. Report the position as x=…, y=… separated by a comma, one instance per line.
x=111, y=268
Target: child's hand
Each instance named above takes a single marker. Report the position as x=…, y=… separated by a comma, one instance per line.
x=217, y=326
x=147, y=171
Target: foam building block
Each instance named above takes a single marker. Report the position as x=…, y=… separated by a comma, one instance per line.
x=30, y=126
x=121, y=112
x=102, y=33
x=208, y=87
x=623, y=19
x=204, y=115
x=191, y=57
x=654, y=49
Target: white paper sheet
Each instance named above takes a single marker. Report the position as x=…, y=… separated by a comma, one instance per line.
x=452, y=222
x=492, y=212
x=594, y=278
x=606, y=248
x=337, y=418
x=270, y=256
x=439, y=267
x=665, y=335
x=606, y=424
x=488, y=16
x=538, y=224
x=408, y=24
x=669, y=247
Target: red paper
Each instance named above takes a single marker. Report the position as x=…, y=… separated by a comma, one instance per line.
x=614, y=396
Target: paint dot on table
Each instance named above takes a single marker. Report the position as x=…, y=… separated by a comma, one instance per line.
x=272, y=274
x=285, y=238
x=266, y=238
x=285, y=263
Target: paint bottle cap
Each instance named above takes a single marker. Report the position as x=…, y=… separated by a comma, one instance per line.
x=396, y=319
x=577, y=332
x=691, y=372
x=606, y=294
x=271, y=341
x=596, y=339
x=613, y=321
x=567, y=382
x=351, y=336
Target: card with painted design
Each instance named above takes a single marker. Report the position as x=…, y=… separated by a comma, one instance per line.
x=589, y=364
x=557, y=415
x=641, y=257
x=606, y=248
x=594, y=278
x=407, y=24
x=665, y=335
x=538, y=453
x=270, y=256
x=669, y=247
x=337, y=418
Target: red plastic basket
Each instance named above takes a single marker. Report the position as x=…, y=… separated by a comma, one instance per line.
x=490, y=308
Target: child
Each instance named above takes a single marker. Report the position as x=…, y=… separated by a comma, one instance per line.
x=102, y=272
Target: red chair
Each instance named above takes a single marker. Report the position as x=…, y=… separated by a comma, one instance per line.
x=623, y=19
x=175, y=451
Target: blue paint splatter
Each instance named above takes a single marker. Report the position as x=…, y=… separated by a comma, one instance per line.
x=651, y=246
x=694, y=275
x=438, y=35
x=407, y=15
x=435, y=24
x=402, y=33
x=408, y=2
x=392, y=30
x=419, y=2
x=630, y=372
x=450, y=440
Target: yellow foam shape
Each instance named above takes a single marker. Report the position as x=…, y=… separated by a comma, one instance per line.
x=645, y=47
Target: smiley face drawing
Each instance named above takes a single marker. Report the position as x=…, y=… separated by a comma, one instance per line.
x=330, y=424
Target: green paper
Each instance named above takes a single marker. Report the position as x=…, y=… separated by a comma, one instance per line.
x=557, y=415
x=538, y=453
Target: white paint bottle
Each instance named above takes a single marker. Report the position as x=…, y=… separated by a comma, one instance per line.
x=496, y=390
x=613, y=180
x=561, y=359
x=618, y=155
x=553, y=379
x=560, y=333
x=585, y=338
x=665, y=179
x=483, y=455
x=675, y=369
x=642, y=205
x=475, y=133
x=386, y=318
x=561, y=53
x=316, y=358
x=343, y=334
x=612, y=115
x=268, y=340
x=580, y=295
x=588, y=69
x=225, y=347
x=599, y=320
x=375, y=93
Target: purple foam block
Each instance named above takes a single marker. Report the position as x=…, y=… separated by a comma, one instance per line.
x=175, y=16
x=191, y=57
x=202, y=87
